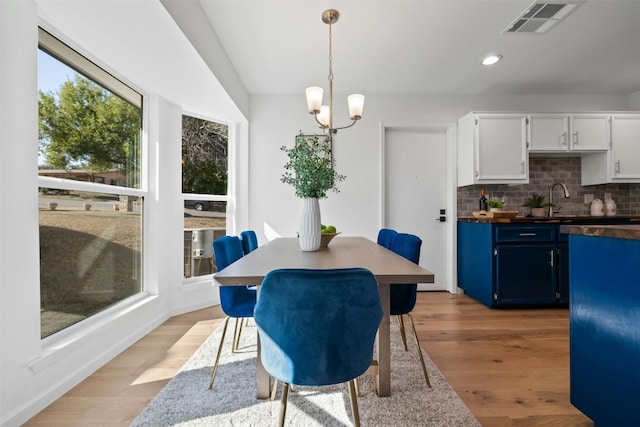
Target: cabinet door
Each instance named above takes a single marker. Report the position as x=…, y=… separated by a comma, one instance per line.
x=548, y=133
x=525, y=274
x=501, y=154
x=625, y=147
x=563, y=271
x=590, y=132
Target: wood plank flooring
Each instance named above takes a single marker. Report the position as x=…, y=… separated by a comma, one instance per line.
x=510, y=367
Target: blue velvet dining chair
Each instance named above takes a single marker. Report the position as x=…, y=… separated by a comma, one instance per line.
x=249, y=241
x=318, y=327
x=236, y=301
x=403, y=296
x=385, y=237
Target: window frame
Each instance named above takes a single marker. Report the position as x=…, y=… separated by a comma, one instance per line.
x=228, y=198
x=81, y=63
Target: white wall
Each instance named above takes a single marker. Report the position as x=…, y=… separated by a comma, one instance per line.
x=634, y=101
x=19, y=272
x=34, y=372
x=275, y=120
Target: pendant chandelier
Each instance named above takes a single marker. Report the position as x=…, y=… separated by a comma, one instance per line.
x=324, y=113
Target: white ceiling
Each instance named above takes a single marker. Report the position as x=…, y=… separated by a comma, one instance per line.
x=428, y=47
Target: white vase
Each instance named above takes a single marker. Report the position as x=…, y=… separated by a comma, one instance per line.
x=309, y=228
x=538, y=212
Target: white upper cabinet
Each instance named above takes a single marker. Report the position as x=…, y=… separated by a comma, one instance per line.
x=577, y=133
x=590, y=132
x=492, y=149
x=621, y=164
x=625, y=147
x=548, y=133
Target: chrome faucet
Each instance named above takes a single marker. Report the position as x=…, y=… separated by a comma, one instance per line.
x=566, y=196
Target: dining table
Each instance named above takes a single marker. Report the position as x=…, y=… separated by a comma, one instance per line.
x=343, y=252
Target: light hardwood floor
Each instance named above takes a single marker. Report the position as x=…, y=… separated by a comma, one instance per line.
x=510, y=367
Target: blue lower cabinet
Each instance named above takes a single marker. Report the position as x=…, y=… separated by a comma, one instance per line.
x=505, y=265
x=525, y=274
x=605, y=329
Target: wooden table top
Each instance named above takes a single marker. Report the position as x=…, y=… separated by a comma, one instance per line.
x=342, y=252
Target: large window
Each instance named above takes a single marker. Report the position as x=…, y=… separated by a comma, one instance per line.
x=90, y=196
x=204, y=188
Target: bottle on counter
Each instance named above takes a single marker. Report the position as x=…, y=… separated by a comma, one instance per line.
x=483, y=201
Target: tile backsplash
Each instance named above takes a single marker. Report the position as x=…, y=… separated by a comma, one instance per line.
x=544, y=171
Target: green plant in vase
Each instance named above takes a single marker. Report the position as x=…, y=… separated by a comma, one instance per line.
x=537, y=204
x=495, y=203
x=310, y=171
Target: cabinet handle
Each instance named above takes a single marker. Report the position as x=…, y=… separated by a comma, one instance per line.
x=477, y=174
x=575, y=138
x=522, y=167
x=527, y=234
x=617, y=168
x=551, y=253
x=564, y=138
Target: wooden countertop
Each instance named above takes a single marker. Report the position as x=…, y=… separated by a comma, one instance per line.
x=597, y=220
x=620, y=231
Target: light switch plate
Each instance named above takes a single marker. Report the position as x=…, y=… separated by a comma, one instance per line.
x=588, y=198
x=607, y=196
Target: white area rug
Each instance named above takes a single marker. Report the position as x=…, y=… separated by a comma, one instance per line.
x=186, y=400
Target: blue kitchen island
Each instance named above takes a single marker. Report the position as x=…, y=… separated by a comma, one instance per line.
x=604, y=304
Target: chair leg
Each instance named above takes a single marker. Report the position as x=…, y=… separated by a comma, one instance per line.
x=274, y=389
x=355, y=382
x=415, y=335
x=402, y=333
x=215, y=366
x=236, y=335
x=283, y=403
x=354, y=403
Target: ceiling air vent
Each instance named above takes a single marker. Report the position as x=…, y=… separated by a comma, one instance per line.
x=541, y=16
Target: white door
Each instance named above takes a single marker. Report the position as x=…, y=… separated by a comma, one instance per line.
x=415, y=190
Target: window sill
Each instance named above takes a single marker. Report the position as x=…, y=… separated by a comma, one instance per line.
x=53, y=346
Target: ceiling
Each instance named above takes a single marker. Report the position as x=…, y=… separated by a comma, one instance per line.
x=428, y=47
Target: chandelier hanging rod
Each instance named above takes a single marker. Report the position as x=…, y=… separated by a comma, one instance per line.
x=323, y=113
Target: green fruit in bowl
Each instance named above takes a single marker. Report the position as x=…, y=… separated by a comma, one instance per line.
x=331, y=229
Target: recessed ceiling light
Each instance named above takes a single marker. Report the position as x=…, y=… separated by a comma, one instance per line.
x=492, y=59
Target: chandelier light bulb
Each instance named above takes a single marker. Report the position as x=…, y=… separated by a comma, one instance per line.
x=356, y=104
x=324, y=117
x=314, y=99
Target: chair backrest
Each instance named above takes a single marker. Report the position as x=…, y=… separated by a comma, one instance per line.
x=249, y=241
x=385, y=237
x=227, y=250
x=318, y=327
x=403, y=297
x=236, y=301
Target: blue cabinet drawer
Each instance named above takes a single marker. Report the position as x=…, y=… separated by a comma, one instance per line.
x=526, y=234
